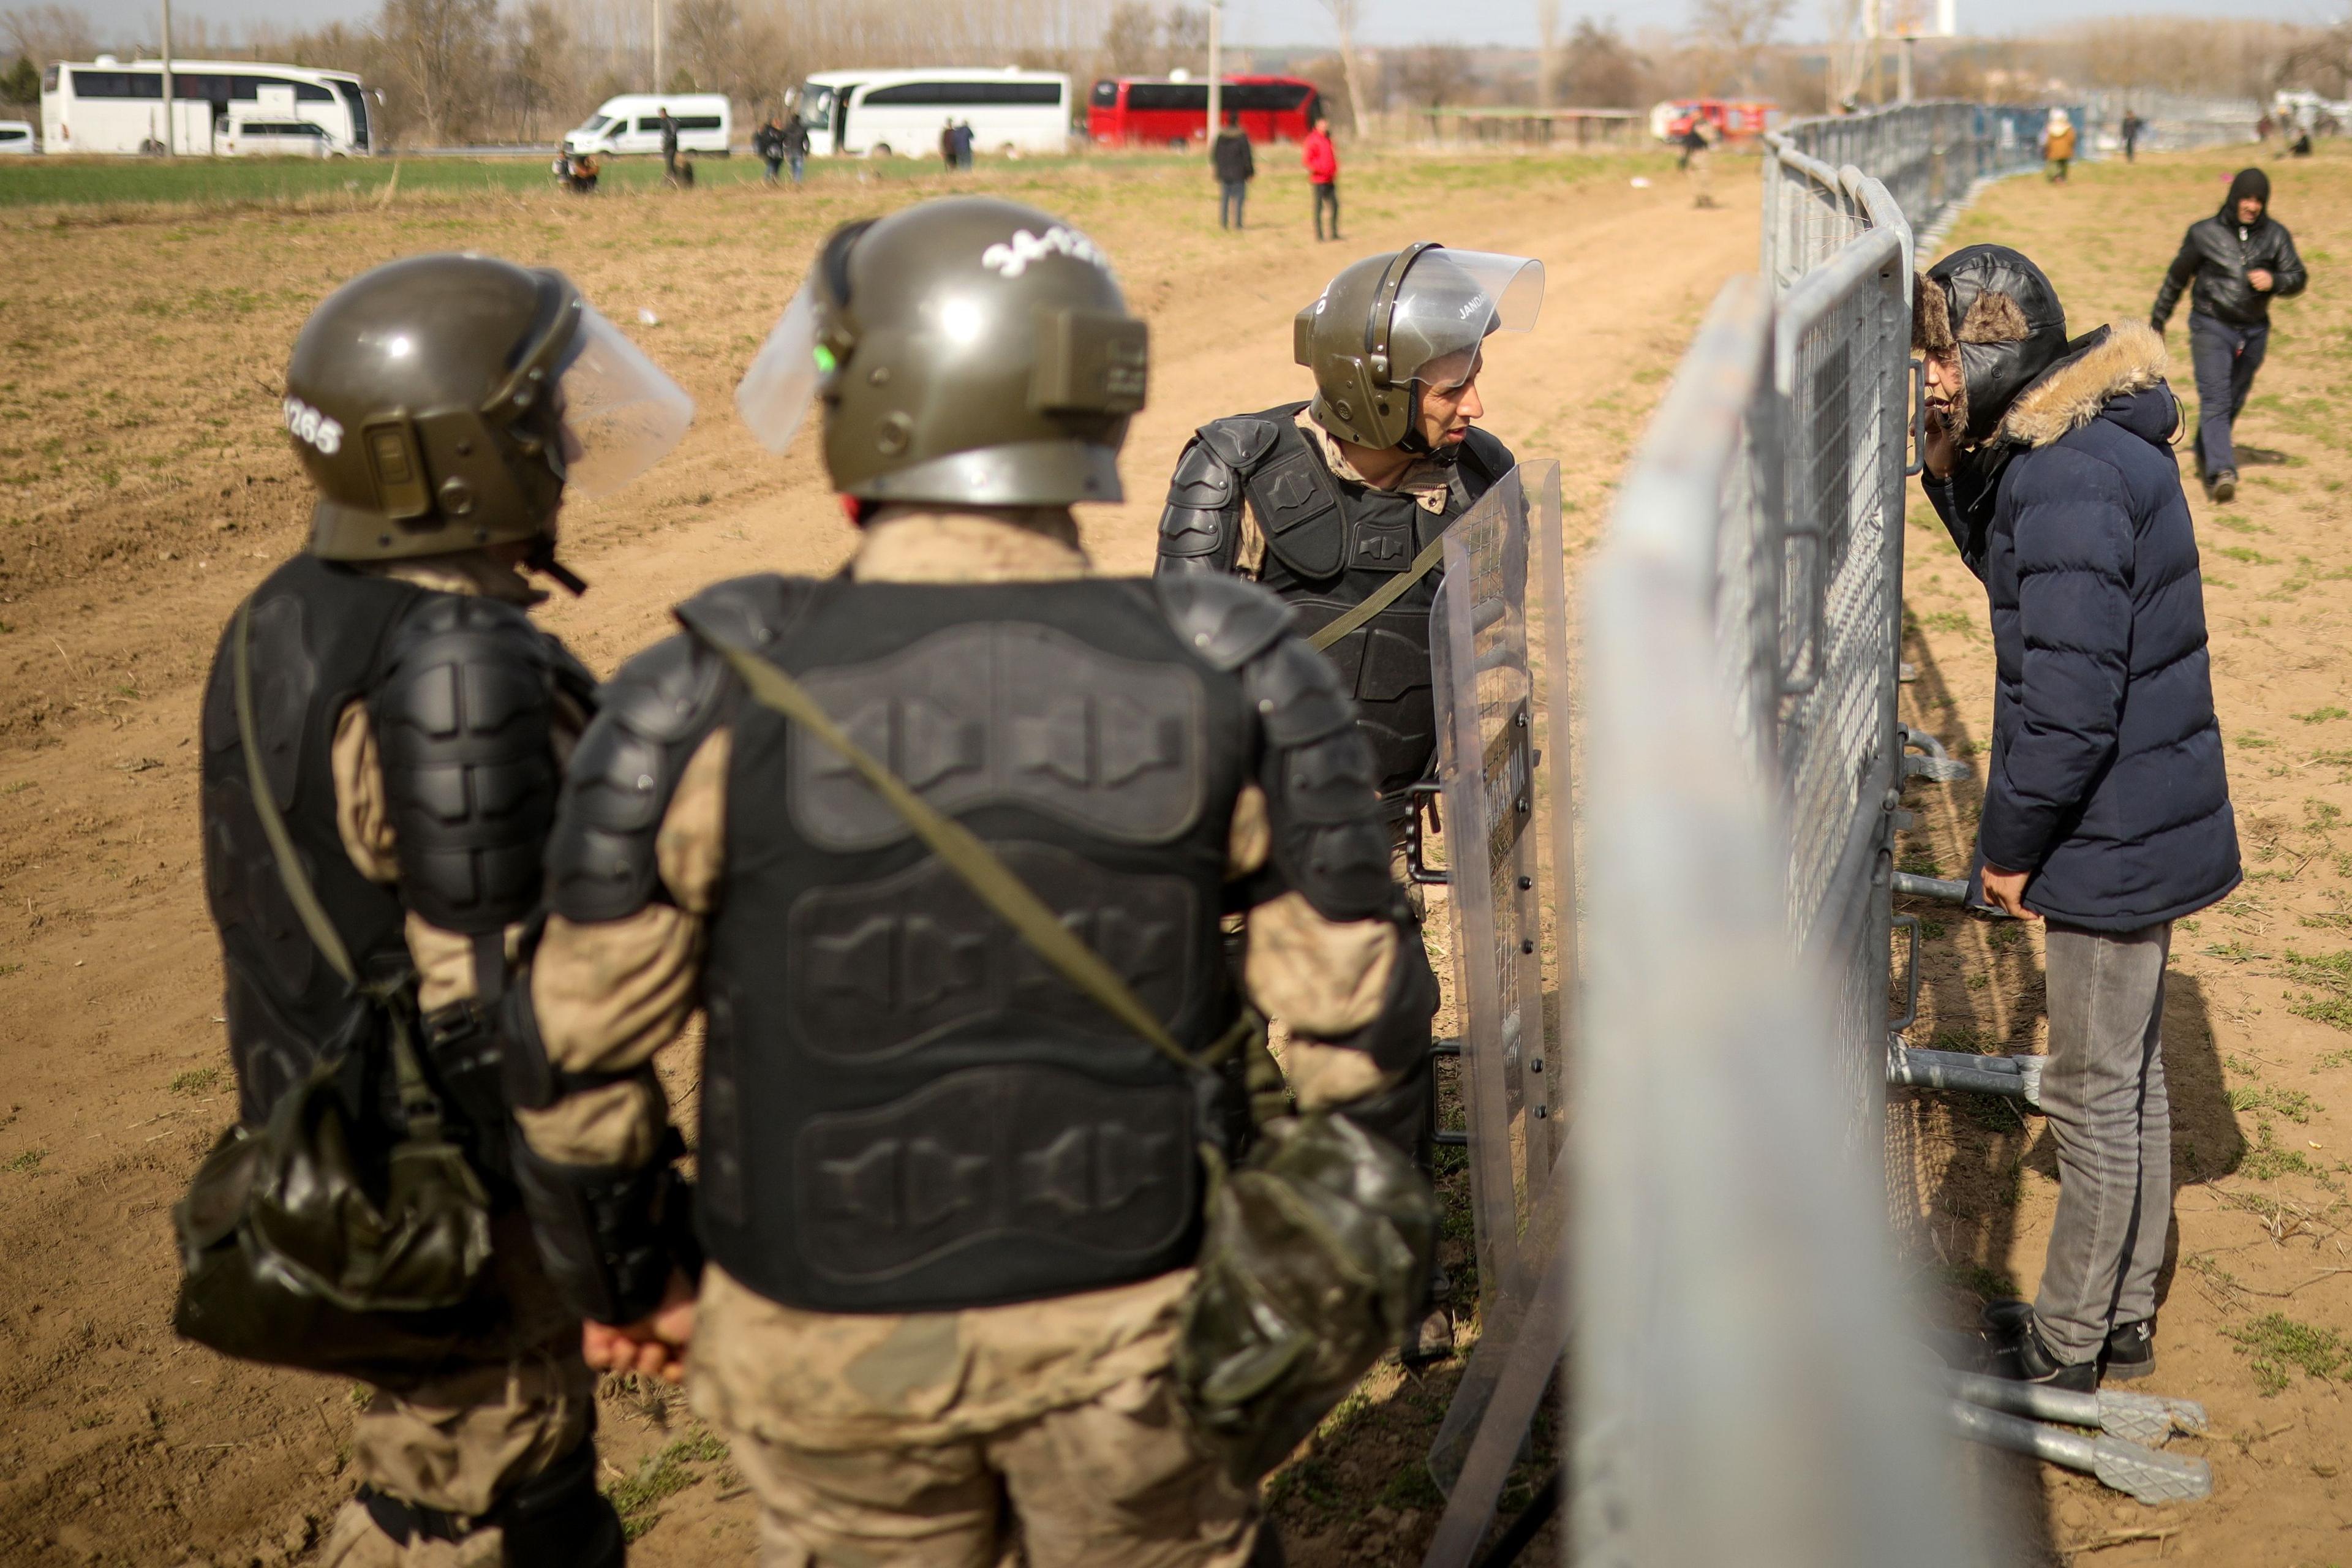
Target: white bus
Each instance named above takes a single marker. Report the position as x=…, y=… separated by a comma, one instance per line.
x=878, y=112
x=106, y=105
x=632, y=123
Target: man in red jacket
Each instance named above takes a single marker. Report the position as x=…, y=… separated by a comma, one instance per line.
x=1322, y=161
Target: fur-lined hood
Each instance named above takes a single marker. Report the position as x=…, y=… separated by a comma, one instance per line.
x=2116, y=363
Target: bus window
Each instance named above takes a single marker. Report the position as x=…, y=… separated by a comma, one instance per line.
x=817, y=106
x=50, y=78
x=356, y=101
x=695, y=122
x=1106, y=95
x=119, y=84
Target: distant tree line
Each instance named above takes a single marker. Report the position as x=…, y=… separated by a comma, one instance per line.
x=456, y=71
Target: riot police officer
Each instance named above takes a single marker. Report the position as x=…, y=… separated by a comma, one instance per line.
x=412, y=723
x=1328, y=503
x=1337, y=505
x=950, y=1203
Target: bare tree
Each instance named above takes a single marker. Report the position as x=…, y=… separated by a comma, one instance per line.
x=704, y=36
x=440, y=53
x=43, y=34
x=1345, y=15
x=1132, y=41
x=1434, y=74
x=1546, y=51
x=1186, y=40
x=1736, y=31
x=536, y=41
x=1603, y=71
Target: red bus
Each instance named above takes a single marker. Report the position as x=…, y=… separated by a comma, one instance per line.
x=1130, y=112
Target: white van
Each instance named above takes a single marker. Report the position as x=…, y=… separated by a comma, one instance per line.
x=248, y=134
x=632, y=123
x=876, y=113
x=17, y=136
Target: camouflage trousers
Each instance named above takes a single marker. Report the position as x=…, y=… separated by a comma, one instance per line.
x=966, y=1440
x=464, y=1440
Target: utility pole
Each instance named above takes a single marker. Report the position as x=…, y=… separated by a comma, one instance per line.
x=1910, y=42
x=1216, y=69
x=171, y=126
x=658, y=47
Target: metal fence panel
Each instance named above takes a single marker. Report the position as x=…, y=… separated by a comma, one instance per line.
x=1741, y=1390
x=1485, y=765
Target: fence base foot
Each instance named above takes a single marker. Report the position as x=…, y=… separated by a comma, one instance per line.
x=2017, y=1078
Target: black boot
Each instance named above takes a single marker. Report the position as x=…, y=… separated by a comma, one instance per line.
x=555, y=1520
x=2129, y=1353
x=2022, y=1355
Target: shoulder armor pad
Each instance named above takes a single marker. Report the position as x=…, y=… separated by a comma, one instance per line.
x=573, y=678
x=464, y=724
x=1487, y=457
x=757, y=610
x=1225, y=620
x=1297, y=693
x=651, y=716
x=1203, y=479
x=1243, y=441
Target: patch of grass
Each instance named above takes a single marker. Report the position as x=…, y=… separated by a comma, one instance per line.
x=26, y=1160
x=2322, y=715
x=1990, y=1284
x=2331, y=1061
x=2241, y=552
x=2291, y=1103
x=659, y=1476
x=1412, y=1487
x=2266, y=1161
x=2254, y=741
x=2235, y=952
x=2276, y=1344
x=1920, y=863
x=1946, y=621
x=196, y=1080
x=2331, y=973
x=19, y=787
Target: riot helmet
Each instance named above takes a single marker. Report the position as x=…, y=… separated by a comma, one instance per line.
x=448, y=402
x=967, y=351
x=1389, y=326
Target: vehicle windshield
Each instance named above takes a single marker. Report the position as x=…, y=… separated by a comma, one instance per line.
x=598, y=123
x=816, y=106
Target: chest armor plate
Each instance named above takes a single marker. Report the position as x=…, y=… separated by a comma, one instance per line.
x=904, y=1108
x=1329, y=545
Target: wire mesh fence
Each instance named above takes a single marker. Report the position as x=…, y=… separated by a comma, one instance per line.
x=1926, y=158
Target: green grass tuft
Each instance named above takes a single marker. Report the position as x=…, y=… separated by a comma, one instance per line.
x=196, y=1080
x=2276, y=1344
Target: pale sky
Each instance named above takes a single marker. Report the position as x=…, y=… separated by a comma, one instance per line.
x=1278, y=22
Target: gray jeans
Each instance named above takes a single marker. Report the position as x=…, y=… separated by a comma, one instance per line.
x=2103, y=1090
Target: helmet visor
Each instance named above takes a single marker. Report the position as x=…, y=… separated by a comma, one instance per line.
x=1449, y=303
x=621, y=412
x=781, y=384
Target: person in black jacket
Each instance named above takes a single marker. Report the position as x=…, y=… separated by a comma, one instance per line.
x=2238, y=260
x=1236, y=166
x=768, y=145
x=668, y=143
x=2107, y=809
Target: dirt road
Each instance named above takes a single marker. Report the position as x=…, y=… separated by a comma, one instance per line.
x=144, y=486
x=2256, y=1298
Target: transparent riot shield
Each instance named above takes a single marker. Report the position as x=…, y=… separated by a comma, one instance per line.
x=1502, y=752
x=1486, y=758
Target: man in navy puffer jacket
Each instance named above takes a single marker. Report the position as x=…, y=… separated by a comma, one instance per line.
x=2106, y=812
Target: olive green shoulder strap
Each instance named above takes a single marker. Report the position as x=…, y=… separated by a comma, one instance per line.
x=981, y=870
x=1382, y=597
x=417, y=1102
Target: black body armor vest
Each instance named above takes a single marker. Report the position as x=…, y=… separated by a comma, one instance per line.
x=1329, y=545
x=319, y=632
x=904, y=1109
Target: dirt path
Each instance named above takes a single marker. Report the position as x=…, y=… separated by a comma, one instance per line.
x=145, y=487
x=2256, y=1316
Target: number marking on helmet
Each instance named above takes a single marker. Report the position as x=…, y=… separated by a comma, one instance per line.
x=1012, y=257
x=308, y=424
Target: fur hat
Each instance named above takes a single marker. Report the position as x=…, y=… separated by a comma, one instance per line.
x=1998, y=310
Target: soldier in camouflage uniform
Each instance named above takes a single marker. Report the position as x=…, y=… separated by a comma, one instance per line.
x=949, y=1205
x=414, y=724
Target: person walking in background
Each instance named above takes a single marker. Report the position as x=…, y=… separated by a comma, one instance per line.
x=1696, y=146
x=1236, y=166
x=948, y=145
x=795, y=145
x=669, y=144
x=963, y=143
x=2106, y=813
x=2133, y=125
x=768, y=145
x=2238, y=261
x=1322, y=161
x=2058, y=144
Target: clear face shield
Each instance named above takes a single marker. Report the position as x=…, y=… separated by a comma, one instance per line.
x=777, y=391
x=620, y=412
x=1448, y=306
